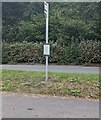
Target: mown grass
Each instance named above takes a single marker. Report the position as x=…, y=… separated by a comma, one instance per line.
x=59, y=84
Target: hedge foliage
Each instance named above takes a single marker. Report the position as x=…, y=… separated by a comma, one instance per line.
x=86, y=52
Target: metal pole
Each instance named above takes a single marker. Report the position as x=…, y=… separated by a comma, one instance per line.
x=46, y=68
x=47, y=43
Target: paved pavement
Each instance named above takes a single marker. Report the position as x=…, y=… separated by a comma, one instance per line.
x=31, y=106
x=53, y=68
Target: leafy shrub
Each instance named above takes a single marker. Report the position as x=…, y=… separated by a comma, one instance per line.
x=89, y=51
x=22, y=53
x=85, y=52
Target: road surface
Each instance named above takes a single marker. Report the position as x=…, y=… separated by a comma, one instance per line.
x=53, y=68
x=34, y=106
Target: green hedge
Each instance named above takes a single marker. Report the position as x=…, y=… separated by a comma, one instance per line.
x=89, y=52
x=86, y=52
x=22, y=53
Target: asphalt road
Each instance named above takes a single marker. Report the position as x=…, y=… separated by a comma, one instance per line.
x=31, y=106
x=53, y=68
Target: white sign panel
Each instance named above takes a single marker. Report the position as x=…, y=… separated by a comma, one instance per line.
x=46, y=49
x=46, y=8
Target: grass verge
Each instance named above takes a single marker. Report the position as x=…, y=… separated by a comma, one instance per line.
x=59, y=84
